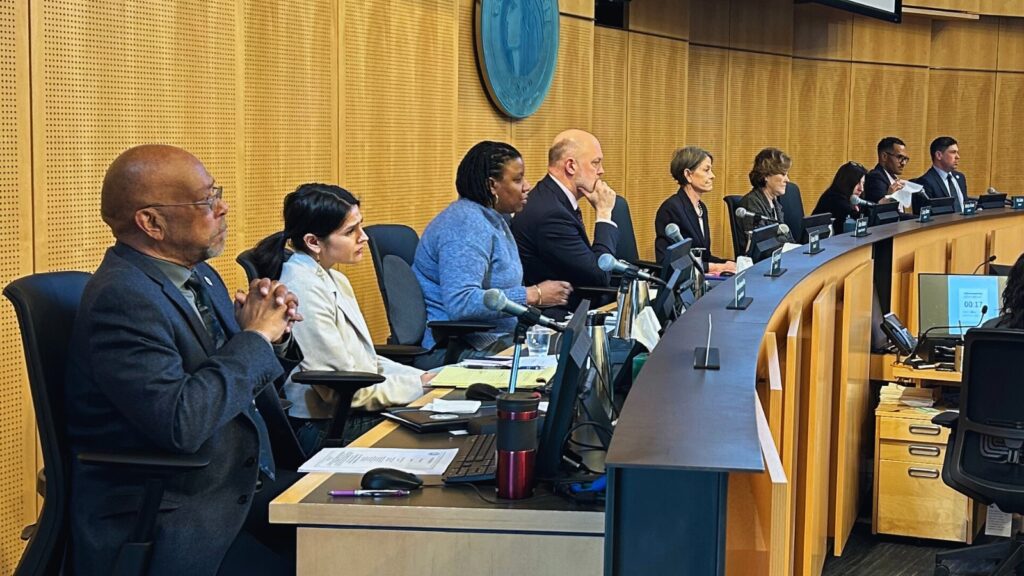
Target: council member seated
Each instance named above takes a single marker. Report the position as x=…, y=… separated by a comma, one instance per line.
x=884, y=179
x=768, y=177
x=942, y=180
x=160, y=361
x=468, y=248
x=691, y=168
x=838, y=199
x=553, y=244
x=1013, y=300
x=324, y=226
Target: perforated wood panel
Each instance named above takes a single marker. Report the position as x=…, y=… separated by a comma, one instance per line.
x=971, y=45
x=904, y=91
x=477, y=117
x=1007, y=156
x=1011, y=44
x=108, y=76
x=960, y=104
x=908, y=42
x=17, y=440
x=761, y=25
x=611, y=48
x=398, y=99
x=707, y=88
x=758, y=113
x=709, y=22
x=822, y=32
x=656, y=126
x=290, y=107
x=819, y=125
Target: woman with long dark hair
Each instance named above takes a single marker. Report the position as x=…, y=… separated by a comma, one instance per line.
x=838, y=199
x=1013, y=300
x=324, y=227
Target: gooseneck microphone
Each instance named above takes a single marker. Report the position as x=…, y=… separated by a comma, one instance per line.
x=672, y=231
x=988, y=260
x=496, y=300
x=608, y=263
x=742, y=212
x=924, y=335
x=858, y=201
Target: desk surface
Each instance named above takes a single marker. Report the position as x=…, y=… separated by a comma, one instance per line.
x=677, y=417
x=434, y=506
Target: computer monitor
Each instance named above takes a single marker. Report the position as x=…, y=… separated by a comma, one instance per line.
x=820, y=223
x=764, y=241
x=677, y=257
x=573, y=350
x=938, y=205
x=955, y=301
x=883, y=213
x=992, y=201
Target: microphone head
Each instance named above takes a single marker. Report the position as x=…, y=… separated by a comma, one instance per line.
x=606, y=262
x=991, y=190
x=992, y=258
x=495, y=299
x=741, y=212
x=858, y=201
x=984, y=310
x=783, y=229
x=672, y=231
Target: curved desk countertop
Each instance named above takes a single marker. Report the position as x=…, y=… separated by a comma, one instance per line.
x=682, y=431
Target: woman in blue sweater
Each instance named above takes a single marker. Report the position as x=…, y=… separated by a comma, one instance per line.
x=468, y=248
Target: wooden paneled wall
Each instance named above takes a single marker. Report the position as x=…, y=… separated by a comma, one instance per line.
x=383, y=97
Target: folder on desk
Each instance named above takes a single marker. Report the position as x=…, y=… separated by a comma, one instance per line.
x=461, y=377
x=423, y=421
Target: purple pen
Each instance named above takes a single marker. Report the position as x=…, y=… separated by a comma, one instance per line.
x=372, y=493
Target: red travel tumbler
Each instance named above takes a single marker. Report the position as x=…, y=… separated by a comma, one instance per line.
x=517, y=443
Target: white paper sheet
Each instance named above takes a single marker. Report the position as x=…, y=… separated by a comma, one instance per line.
x=361, y=460
x=997, y=522
x=904, y=194
x=452, y=406
x=646, y=327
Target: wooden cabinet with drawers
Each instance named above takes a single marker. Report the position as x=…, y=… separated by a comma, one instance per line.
x=910, y=498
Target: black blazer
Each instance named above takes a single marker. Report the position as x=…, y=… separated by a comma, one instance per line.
x=755, y=201
x=935, y=187
x=553, y=244
x=876, y=184
x=677, y=208
x=144, y=375
x=839, y=207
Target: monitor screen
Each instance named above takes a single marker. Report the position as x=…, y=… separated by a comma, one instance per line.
x=884, y=213
x=891, y=10
x=820, y=223
x=764, y=241
x=677, y=257
x=573, y=350
x=956, y=300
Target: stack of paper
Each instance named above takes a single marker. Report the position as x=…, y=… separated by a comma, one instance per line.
x=895, y=394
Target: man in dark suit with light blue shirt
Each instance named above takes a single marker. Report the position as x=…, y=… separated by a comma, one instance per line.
x=553, y=244
x=161, y=361
x=942, y=180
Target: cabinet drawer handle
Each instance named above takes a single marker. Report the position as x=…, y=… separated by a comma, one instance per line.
x=925, y=429
x=919, y=450
x=922, y=472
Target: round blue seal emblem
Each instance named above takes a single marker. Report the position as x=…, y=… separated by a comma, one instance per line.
x=517, y=49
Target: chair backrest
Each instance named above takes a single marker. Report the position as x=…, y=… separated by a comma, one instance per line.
x=626, y=247
x=739, y=239
x=391, y=240
x=988, y=452
x=46, y=305
x=248, y=264
x=406, y=311
x=793, y=209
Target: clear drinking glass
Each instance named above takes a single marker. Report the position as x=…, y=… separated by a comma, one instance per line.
x=537, y=340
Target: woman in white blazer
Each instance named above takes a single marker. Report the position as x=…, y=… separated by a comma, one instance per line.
x=324, y=226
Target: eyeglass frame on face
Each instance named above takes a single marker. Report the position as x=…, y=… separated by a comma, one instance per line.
x=901, y=158
x=210, y=201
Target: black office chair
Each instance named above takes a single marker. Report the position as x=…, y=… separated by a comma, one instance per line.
x=46, y=305
x=985, y=453
x=739, y=238
x=626, y=248
x=403, y=354
x=793, y=209
x=392, y=247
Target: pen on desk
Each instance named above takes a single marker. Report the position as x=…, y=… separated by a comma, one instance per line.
x=374, y=493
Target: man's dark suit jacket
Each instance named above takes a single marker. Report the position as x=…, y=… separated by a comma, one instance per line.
x=144, y=375
x=678, y=208
x=936, y=187
x=876, y=184
x=553, y=244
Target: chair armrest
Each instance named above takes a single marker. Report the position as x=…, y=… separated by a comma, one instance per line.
x=947, y=419
x=337, y=380
x=445, y=330
x=399, y=352
x=164, y=461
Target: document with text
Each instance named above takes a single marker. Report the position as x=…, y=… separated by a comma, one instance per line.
x=361, y=460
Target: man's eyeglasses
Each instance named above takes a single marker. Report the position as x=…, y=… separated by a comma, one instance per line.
x=900, y=157
x=216, y=195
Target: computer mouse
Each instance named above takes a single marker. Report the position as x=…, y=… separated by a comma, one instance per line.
x=726, y=274
x=390, y=479
x=481, y=391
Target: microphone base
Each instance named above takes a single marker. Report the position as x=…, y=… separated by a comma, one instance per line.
x=813, y=252
x=780, y=273
x=865, y=233
x=703, y=359
x=741, y=305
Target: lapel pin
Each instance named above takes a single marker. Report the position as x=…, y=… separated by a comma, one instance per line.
x=208, y=283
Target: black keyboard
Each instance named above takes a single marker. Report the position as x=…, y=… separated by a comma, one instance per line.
x=477, y=461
